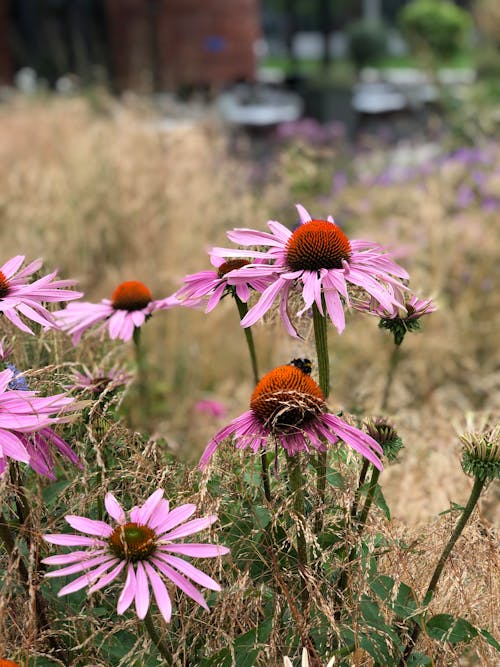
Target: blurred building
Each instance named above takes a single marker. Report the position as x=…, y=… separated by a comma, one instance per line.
x=134, y=44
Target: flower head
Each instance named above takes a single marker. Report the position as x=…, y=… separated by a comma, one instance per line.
x=100, y=380
x=318, y=258
x=19, y=297
x=130, y=306
x=209, y=287
x=25, y=420
x=288, y=406
x=398, y=320
x=385, y=434
x=481, y=449
x=145, y=546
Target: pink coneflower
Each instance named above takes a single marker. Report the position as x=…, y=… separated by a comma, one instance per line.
x=210, y=407
x=398, y=320
x=319, y=256
x=209, y=287
x=25, y=420
x=18, y=297
x=129, y=307
x=144, y=546
x=99, y=381
x=288, y=406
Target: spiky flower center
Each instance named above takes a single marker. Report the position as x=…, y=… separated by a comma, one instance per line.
x=230, y=265
x=131, y=295
x=4, y=285
x=132, y=541
x=286, y=399
x=316, y=245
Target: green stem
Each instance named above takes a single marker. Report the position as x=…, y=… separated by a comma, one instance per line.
x=471, y=503
x=297, y=487
x=142, y=385
x=163, y=649
x=321, y=340
x=361, y=481
x=243, y=310
x=369, y=499
x=393, y=362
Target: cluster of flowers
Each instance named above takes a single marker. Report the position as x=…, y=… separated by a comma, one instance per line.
x=316, y=262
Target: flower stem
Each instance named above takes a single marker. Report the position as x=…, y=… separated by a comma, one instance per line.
x=243, y=310
x=296, y=485
x=361, y=481
x=393, y=362
x=157, y=641
x=321, y=340
x=142, y=386
x=479, y=482
x=369, y=498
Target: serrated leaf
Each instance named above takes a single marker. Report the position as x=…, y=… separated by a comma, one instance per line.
x=451, y=629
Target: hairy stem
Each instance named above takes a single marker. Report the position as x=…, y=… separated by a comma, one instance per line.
x=471, y=503
x=243, y=310
x=321, y=340
x=297, y=487
x=156, y=639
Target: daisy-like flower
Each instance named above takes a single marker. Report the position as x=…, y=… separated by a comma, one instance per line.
x=209, y=287
x=319, y=257
x=19, y=297
x=98, y=381
x=130, y=306
x=146, y=547
x=398, y=320
x=288, y=406
x=25, y=420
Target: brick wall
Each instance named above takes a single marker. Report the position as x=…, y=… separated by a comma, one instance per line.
x=192, y=42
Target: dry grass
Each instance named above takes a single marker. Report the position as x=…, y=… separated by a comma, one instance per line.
x=106, y=198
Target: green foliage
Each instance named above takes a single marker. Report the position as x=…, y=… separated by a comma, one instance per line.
x=367, y=42
x=435, y=27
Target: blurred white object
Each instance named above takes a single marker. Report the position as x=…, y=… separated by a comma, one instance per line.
x=26, y=80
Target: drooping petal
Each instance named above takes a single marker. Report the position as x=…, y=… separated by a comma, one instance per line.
x=128, y=593
x=160, y=592
x=141, y=591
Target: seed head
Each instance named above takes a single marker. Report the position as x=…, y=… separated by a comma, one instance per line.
x=481, y=452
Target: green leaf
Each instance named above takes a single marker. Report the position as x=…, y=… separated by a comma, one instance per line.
x=451, y=629
x=489, y=638
x=379, y=500
x=335, y=479
x=402, y=602
x=246, y=647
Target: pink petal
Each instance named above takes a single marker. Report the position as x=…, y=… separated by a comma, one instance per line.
x=114, y=508
x=107, y=578
x=83, y=564
x=141, y=591
x=190, y=571
x=195, y=550
x=160, y=592
x=89, y=526
x=190, y=527
x=149, y=506
x=85, y=580
x=128, y=592
x=303, y=214
x=68, y=540
x=175, y=517
x=181, y=582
